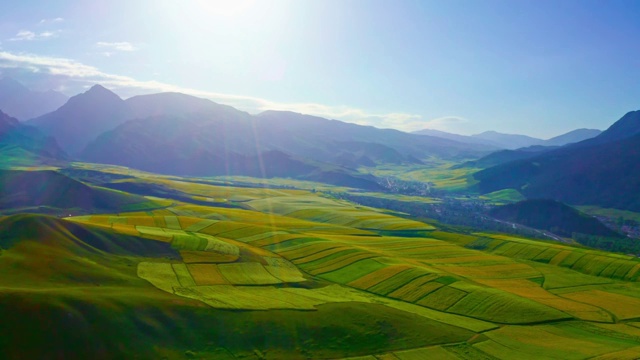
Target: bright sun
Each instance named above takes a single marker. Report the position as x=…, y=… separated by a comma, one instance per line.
x=224, y=7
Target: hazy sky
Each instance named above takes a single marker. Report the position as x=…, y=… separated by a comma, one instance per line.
x=534, y=67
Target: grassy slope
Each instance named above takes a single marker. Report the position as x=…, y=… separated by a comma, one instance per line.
x=81, y=298
x=33, y=189
x=74, y=288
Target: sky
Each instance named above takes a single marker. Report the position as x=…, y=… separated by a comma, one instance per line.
x=539, y=68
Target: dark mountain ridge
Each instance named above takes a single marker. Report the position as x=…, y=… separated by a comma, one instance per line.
x=600, y=171
x=197, y=146
x=505, y=156
x=552, y=216
x=627, y=126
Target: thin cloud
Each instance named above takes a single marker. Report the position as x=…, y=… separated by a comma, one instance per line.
x=26, y=35
x=445, y=123
x=446, y=120
x=86, y=75
x=51, y=21
x=116, y=46
x=48, y=34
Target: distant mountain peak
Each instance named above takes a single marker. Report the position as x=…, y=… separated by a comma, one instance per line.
x=100, y=90
x=83, y=117
x=23, y=103
x=98, y=87
x=508, y=141
x=497, y=133
x=488, y=132
x=11, y=84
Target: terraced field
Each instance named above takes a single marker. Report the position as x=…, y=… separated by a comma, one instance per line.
x=296, y=256
x=585, y=261
x=495, y=279
x=324, y=210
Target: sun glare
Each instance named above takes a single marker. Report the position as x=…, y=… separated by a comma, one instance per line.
x=225, y=7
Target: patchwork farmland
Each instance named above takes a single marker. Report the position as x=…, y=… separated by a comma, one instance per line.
x=298, y=251
x=443, y=294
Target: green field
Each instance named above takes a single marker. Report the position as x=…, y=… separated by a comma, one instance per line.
x=503, y=196
x=297, y=274
x=610, y=213
x=443, y=174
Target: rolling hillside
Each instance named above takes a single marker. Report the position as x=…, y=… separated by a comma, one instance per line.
x=51, y=192
x=295, y=275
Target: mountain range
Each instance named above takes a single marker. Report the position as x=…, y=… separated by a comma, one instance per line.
x=174, y=133
x=19, y=102
x=82, y=118
x=600, y=171
x=514, y=141
x=178, y=134
x=86, y=116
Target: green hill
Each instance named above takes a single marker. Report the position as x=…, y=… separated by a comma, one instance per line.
x=49, y=190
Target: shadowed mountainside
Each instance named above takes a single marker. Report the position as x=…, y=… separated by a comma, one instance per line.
x=552, y=216
x=86, y=116
x=505, y=156
x=600, y=171
x=82, y=118
x=23, y=103
x=34, y=189
x=14, y=135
